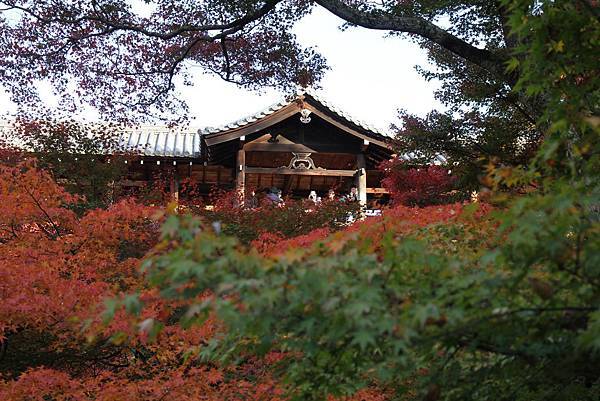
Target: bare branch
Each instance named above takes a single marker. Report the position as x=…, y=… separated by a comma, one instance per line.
x=48, y=218
x=227, y=28
x=227, y=66
x=421, y=27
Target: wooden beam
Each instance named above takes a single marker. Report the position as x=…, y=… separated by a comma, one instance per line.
x=278, y=147
x=377, y=191
x=291, y=171
x=346, y=128
x=132, y=183
x=174, y=187
x=301, y=148
x=287, y=183
x=234, y=133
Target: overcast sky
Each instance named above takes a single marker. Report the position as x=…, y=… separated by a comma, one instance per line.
x=371, y=77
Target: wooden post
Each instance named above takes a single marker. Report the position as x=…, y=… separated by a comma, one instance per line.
x=240, y=173
x=174, y=186
x=287, y=184
x=361, y=179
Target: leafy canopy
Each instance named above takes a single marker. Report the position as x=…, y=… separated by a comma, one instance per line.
x=447, y=302
x=483, y=306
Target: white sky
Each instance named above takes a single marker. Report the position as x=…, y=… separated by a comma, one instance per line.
x=371, y=77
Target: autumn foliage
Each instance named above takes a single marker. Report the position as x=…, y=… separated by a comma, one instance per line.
x=446, y=301
x=66, y=325
x=67, y=329
x=270, y=223
x=140, y=303
x=58, y=272
x=417, y=186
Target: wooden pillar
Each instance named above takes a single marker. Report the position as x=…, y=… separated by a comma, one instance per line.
x=240, y=174
x=361, y=179
x=287, y=184
x=174, y=186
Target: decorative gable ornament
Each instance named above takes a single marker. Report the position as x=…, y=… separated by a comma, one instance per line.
x=302, y=161
x=305, y=116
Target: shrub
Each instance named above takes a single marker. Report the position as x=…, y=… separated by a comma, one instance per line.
x=417, y=186
x=294, y=218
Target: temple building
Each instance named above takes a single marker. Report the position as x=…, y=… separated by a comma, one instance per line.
x=298, y=146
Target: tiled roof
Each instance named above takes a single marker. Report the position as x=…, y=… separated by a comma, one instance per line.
x=152, y=141
x=156, y=141
x=277, y=106
x=343, y=114
x=147, y=141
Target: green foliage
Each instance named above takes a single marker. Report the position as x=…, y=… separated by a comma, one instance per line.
x=486, y=120
x=445, y=298
x=503, y=306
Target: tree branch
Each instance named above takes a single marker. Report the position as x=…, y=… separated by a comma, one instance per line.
x=227, y=65
x=97, y=16
x=421, y=27
x=48, y=218
x=227, y=28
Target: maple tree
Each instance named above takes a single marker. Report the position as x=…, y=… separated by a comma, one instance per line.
x=269, y=221
x=417, y=185
x=468, y=142
x=462, y=303
x=73, y=44
x=65, y=331
x=442, y=302
x=58, y=269
x=86, y=158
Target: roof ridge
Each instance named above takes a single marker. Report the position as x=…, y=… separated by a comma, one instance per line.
x=300, y=91
x=327, y=103
x=247, y=119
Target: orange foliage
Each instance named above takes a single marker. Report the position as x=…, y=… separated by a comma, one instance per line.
x=399, y=220
x=190, y=384
x=58, y=268
x=273, y=244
